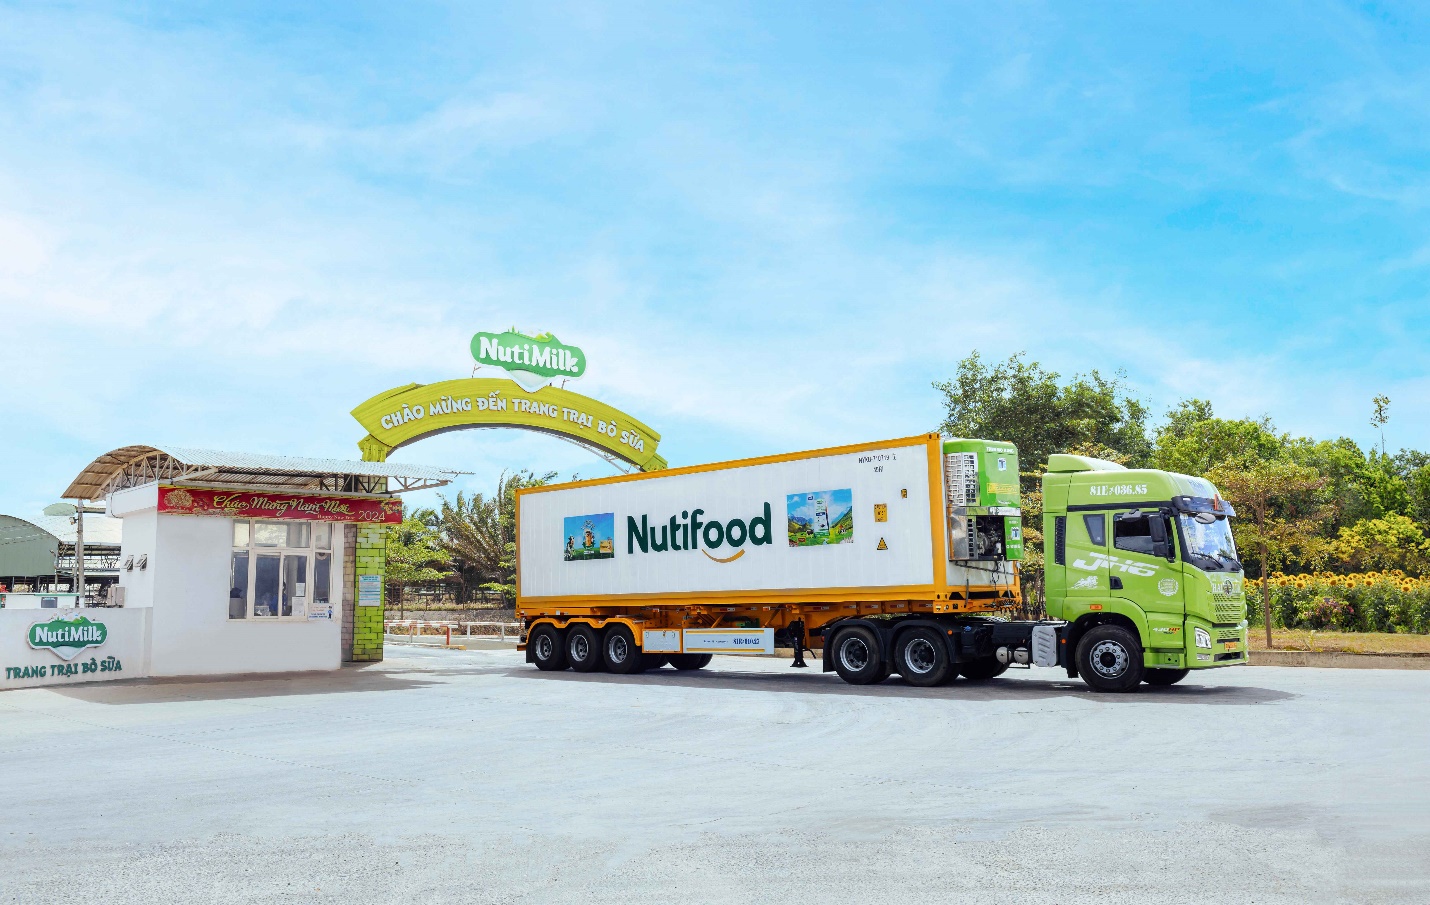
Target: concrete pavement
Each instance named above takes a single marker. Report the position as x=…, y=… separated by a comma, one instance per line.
x=467, y=776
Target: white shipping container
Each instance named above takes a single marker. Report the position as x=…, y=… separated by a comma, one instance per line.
x=781, y=526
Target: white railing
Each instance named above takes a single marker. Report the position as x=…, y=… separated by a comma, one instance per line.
x=415, y=628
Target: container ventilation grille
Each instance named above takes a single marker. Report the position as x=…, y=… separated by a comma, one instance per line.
x=960, y=476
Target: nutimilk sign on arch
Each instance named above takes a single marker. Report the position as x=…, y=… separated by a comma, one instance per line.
x=532, y=361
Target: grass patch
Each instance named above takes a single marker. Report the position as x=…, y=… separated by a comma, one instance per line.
x=1344, y=642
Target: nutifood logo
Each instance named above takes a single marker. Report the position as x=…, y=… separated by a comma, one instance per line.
x=67, y=636
x=532, y=361
x=688, y=531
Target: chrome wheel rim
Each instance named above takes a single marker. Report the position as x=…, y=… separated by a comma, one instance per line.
x=919, y=656
x=618, y=649
x=543, y=647
x=580, y=648
x=854, y=654
x=1109, y=659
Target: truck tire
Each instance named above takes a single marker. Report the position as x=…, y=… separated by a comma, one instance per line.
x=548, y=651
x=655, y=661
x=857, y=658
x=619, y=651
x=1165, y=676
x=982, y=669
x=688, y=662
x=921, y=657
x=1109, y=658
x=583, y=648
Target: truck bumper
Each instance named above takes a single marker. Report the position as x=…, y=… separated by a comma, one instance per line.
x=1211, y=646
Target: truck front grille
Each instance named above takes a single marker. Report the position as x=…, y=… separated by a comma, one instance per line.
x=1229, y=610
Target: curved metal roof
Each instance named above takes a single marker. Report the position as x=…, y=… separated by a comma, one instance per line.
x=131, y=466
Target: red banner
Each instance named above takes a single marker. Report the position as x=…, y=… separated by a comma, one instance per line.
x=274, y=505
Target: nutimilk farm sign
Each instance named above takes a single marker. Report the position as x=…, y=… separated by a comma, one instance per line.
x=66, y=637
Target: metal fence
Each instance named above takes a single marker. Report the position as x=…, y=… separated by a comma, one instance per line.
x=415, y=628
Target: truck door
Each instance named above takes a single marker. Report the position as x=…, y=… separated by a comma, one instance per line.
x=1143, y=562
x=1087, y=554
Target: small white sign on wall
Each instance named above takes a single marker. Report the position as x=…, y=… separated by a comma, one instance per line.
x=369, y=590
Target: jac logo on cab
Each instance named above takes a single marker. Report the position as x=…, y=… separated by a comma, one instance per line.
x=1099, y=560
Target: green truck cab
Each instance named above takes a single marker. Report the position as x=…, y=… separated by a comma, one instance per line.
x=1141, y=566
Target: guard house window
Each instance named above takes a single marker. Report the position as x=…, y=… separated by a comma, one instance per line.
x=277, y=568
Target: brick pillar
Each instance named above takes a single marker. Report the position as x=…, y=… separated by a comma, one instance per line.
x=370, y=559
x=349, y=586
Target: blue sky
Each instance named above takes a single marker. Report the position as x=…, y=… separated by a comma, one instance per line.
x=770, y=226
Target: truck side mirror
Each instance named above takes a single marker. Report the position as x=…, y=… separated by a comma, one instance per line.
x=1157, y=528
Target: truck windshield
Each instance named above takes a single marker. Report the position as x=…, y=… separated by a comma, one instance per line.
x=1209, y=543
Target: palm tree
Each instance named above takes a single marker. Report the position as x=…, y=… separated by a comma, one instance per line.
x=480, y=535
x=471, y=534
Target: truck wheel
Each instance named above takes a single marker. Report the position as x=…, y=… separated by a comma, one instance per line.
x=583, y=648
x=688, y=662
x=655, y=661
x=921, y=657
x=857, y=658
x=619, y=651
x=1165, y=676
x=982, y=669
x=547, y=651
x=1109, y=658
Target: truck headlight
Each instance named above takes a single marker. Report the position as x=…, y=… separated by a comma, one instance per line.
x=1203, y=638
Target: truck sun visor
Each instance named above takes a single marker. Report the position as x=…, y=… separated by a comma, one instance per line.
x=1196, y=504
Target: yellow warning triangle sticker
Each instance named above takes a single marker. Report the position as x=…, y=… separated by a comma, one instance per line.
x=882, y=545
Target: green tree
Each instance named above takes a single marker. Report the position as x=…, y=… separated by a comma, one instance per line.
x=1359, y=485
x=1193, y=440
x=471, y=534
x=502, y=581
x=1380, y=417
x=414, y=555
x=1392, y=542
x=1023, y=403
x=1279, y=506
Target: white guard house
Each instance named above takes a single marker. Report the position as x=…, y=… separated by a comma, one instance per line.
x=230, y=563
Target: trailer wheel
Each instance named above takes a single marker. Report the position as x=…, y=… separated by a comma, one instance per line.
x=655, y=661
x=547, y=651
x=583, y=648
x=921, y=657
x=1165, y=676
x=688, y=662
x=619, y=651
x=1109, y=658
x=857, y=658
x=982, y=669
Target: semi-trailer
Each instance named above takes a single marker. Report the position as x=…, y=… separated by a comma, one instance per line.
x=899, y=556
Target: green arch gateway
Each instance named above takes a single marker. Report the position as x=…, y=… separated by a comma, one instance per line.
x=526, y=401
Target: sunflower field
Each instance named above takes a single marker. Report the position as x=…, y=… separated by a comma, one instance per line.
x=1388, y=601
